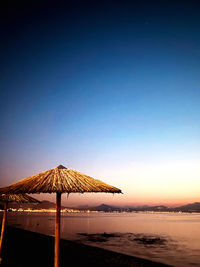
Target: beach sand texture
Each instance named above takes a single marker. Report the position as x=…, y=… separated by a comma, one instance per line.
x=23, y=248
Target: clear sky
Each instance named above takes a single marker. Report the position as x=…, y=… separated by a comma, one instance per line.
x=108, y=88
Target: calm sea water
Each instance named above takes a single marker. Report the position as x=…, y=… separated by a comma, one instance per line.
x=171, y=238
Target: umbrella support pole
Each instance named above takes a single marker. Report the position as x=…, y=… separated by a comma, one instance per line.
x=3, y=227
x=57, y=231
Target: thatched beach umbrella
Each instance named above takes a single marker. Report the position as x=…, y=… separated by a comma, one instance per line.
x=6, y=198
x=59, y=180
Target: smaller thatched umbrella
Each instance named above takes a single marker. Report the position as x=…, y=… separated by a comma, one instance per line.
x=5, y=198
x=59, y=180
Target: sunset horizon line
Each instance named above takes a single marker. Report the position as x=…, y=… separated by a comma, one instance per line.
x=128, y=204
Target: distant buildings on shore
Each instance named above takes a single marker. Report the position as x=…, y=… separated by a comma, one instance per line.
x=46, y=206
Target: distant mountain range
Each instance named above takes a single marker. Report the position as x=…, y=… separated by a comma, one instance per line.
x=193, y=207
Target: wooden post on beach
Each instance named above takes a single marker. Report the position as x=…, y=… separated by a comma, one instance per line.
x=3, y=226
x=57, y=231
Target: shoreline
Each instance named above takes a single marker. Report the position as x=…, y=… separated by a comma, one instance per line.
x=25, y=248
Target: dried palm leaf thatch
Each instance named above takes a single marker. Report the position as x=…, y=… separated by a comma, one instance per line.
x=20, y=198
x=59, y=180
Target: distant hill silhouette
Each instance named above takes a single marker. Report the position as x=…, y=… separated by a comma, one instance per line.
x=192, y=207
x=106, y=208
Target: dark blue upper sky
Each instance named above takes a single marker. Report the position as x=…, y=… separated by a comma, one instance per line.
x=93, y=83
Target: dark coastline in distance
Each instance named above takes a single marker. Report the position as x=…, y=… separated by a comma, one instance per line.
x=45, y=204
x=25, y=248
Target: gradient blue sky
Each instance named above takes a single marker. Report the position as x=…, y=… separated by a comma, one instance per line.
x=109, y=88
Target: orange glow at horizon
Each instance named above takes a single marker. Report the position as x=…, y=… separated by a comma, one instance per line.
x=142, y=183
x=171, y=184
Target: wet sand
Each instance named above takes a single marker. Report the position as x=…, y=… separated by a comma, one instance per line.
x=23, y=248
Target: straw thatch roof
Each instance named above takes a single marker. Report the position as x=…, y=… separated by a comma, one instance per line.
x=59, y=180
x=21, y=198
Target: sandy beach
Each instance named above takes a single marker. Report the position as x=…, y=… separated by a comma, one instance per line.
x=24, y=248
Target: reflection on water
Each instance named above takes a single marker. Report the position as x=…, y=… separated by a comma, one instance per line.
x=154, y=247
x=169, y=238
